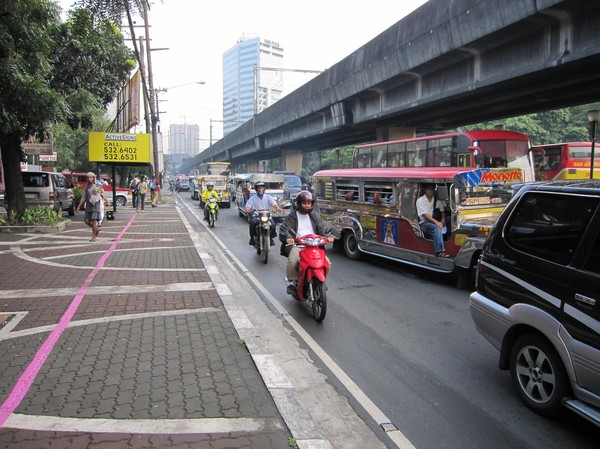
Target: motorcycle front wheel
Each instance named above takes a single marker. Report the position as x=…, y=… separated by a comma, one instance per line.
x=265, y=242
x=318, y=291
x=211, y=220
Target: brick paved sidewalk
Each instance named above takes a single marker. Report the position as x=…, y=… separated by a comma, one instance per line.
x=150, y=357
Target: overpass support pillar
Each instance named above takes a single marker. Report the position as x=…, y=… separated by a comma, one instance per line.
x=395, y=133
x=291, y=160
x=252, y=166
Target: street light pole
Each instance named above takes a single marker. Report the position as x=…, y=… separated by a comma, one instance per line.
x=593, y=117
x=221, y=121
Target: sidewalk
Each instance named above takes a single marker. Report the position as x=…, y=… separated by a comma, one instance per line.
x=139, y=340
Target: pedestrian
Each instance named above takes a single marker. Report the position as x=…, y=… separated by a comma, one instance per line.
x=133, y=185
x=92, y=197
x=154, y=191
x=100, y=186
x=142, y=190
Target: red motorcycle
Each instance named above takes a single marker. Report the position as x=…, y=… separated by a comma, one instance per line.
x=312, y=273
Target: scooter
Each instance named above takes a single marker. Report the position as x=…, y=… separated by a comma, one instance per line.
x=213, y=209
x=262, y=241
x=312, y=273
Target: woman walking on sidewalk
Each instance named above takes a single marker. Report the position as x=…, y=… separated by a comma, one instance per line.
x=92, y=198
x=142, y=190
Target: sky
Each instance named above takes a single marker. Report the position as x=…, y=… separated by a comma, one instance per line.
x=314, y=34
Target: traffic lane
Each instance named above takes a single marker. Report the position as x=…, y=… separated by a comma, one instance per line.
x=405, y=336
x=411, y=345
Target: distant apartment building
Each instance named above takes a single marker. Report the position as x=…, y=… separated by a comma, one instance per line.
x=250, y=84
x=184, y=139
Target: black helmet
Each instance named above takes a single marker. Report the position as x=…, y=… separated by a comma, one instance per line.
x=258, y=184
x=303, y=197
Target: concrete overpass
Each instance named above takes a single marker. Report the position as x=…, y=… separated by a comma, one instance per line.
x=449, y=63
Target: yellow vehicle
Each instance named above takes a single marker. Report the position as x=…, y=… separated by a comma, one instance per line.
x=219, y=183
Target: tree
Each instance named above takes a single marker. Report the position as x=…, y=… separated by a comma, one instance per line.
x=52, y=72
x=555, y=126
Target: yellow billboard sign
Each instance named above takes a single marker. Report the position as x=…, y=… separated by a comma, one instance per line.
x=119, y=147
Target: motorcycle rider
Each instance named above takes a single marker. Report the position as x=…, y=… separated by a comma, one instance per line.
x=207, y=194
x=259, y=201
x=304, y=220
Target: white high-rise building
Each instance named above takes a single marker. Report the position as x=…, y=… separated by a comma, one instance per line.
x=184, y=139
x=251, y=81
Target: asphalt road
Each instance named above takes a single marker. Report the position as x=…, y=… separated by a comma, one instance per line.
x=404, y=338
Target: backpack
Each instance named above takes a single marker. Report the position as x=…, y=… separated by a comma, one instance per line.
x=152, y=184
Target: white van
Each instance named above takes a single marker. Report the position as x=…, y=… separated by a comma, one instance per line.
x=48, y=189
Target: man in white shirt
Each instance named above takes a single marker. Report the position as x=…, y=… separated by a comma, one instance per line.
x=303, y=221
x=429, y=225
x=260, y=201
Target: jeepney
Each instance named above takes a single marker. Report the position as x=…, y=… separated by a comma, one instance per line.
x=219, y=183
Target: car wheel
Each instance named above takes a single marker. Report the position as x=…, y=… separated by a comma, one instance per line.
x=351, y=246
x=71, y=210
x=121, y=201
x=538, y=374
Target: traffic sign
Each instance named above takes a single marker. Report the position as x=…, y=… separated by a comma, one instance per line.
x=33, y=145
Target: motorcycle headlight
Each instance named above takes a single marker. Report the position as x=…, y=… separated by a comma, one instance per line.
x=264, y=218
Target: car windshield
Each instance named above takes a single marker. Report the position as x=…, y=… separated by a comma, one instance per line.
x=293, y=181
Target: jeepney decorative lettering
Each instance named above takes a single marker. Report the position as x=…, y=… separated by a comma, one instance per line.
x=491, y=177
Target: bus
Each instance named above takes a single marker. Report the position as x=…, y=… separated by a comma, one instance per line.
x=373, y=211
x=214, y=168
x=569, y=160
x=477, y=148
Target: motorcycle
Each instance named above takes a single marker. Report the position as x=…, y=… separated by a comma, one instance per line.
x=262, y=241
x=213, y=208
x=312, y=273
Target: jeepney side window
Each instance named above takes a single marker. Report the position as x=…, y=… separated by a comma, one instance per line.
x=323, y=189
x=408, y=200
x=379, y=194
x=346, y=192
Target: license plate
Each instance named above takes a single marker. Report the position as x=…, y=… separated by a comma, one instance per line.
x=31, y=196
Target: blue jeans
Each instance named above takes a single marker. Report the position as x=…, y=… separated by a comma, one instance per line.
x=430, y=229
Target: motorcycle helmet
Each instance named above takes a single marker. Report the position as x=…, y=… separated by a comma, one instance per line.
x=209, y=185
x=258, y=184
x=303, y=197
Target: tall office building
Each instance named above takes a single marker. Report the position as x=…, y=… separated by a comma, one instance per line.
x=184, y=139
x=250, y=83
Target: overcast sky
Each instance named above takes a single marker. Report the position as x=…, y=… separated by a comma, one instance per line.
x=314, y=34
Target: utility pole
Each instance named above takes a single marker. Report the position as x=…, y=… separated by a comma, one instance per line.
x=152, y=100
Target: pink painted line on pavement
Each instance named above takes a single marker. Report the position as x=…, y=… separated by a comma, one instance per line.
x=26, y=380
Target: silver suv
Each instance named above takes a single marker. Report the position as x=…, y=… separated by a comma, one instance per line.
x=48, y=189
x=538, y=296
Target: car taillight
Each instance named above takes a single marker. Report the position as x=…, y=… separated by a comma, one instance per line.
x=51, y=196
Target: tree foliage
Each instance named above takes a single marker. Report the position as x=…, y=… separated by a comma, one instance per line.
x=52, y=72
x=555, y=126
